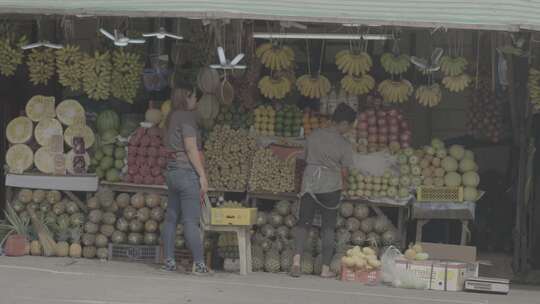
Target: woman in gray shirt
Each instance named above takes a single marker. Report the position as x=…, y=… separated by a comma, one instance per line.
x=186, y=178
x=328, y=153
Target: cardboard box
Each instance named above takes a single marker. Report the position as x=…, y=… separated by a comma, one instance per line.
x=233, y=216
x=360, y=276
x=440, y=275
x=445, y=252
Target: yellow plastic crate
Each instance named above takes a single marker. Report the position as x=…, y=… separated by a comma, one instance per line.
x=233, y=216
x=439, y=194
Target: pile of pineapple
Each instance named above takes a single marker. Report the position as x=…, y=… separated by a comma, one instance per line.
x=121, y=219
x=61, y=216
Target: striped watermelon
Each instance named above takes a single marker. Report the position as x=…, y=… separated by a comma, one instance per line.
x=108, y=120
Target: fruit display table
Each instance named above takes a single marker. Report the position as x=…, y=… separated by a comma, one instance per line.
x=424, y=212
x=402, y=218
x=158, y=189
x=254, y=197
x=66, y=184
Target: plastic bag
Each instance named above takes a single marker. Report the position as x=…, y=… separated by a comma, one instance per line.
x=375, y=164
x=398, y=277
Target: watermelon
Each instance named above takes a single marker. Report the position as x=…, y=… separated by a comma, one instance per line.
x=107, y=120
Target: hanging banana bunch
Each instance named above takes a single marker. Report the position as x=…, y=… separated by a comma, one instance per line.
x=313, y=87
x=395, y=91
x=395, y=64
x=69, y=67
x=97, y=75
x=41, y=66
x=275, y=57
x=126, y=75
x=11, y=54
x=454, y=65
x=353, y=63
x=457, y=83
x=274, y=87
x=358, y=85
x=429, y=95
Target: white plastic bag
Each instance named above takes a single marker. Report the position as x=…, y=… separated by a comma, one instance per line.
x=375, y=164
x=400, y=278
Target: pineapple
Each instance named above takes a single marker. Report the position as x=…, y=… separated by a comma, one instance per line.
x=272, y=261
x=35, y=248
x=286, y=260
x=89, y=252
x=257, y=258
x=317, y=265
x=75, y=250
x=307, y=263
x=63, y=234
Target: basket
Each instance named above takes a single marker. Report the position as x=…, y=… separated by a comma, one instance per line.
x=134, y=253
x=360, y=276
x=439, y=194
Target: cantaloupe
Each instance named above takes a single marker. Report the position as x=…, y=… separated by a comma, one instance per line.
x=19, y=130
x=45, y=129
x=19, y=158
x=70, y=112
x=40, y=107
x=79, y=130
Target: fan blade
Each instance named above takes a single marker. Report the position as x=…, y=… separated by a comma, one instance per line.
x=436, y=56
x=433, y=68
x=419, y=62
x=107, y=34
x=137, y=41
x=173, y=36
x=237, y=59
x=32, y=46
x=216, y=66
x=221, y=55
x=52, y=45
x=150, y=34
x=239, y=67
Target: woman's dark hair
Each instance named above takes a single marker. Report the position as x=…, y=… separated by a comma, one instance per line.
x=345, y=113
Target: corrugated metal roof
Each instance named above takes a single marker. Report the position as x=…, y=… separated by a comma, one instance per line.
x=510, y=15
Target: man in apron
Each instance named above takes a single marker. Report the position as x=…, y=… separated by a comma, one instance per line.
x=328, y=156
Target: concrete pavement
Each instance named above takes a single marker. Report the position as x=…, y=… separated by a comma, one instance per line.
x=38, y=280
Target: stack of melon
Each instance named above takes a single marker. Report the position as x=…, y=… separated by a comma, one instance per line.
x=42, y=121
x=121, y=219
x=109, y=155
x=387, y=186
x=60, y=214
x=443, y=167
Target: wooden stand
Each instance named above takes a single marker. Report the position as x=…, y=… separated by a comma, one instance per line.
x=244, y=243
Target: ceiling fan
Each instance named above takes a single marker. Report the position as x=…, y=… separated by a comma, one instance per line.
x=119, y=39
x=225, y=64
x=43, y=43
x=161, y=34
x=433, y=64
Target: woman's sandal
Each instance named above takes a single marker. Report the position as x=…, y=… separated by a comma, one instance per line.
x=295, y=271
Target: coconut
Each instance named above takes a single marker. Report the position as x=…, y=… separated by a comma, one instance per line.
x=130, y=213
x=136, y=226
x=122, y=225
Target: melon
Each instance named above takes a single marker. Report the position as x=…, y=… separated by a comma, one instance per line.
x=107, y=120
x=437, y=144
x=45, y=129
x=466, y=165
x=470, y=194
x=79, y=130
x=19, y=130
x=457, y=152
x=19, y=158
x=208, y=80
x=469, y=154
x=44, y=160
x=471, y=179
x=449, y=164
x=70, y=112
x=40, y=107
x=452, y=179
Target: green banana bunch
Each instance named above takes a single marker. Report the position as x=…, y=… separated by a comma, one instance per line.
x=41, y=66
x=126, y=75
x=69, y=63
x=97, y=75
x=11, y=54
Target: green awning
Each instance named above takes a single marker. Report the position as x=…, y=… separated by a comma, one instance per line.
x=507, y=15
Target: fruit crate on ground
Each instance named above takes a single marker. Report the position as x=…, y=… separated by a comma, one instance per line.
x=360, y=276
x=233, y=216
x=134, y=253
x=439, y=194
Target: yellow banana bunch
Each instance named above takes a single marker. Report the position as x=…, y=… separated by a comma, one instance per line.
x=358, y=85
x=11, y=54
x=126, y=75
x=41, y=65
x=429, y=96
x=69, y=67
x=275, y=57
x=313, y=87
x=453, y=66
x=97, y=75
x=274, y=88
x=352, y=63
x=395, y=91
x=534, y=88
x=395, y=64
x=457, y=83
